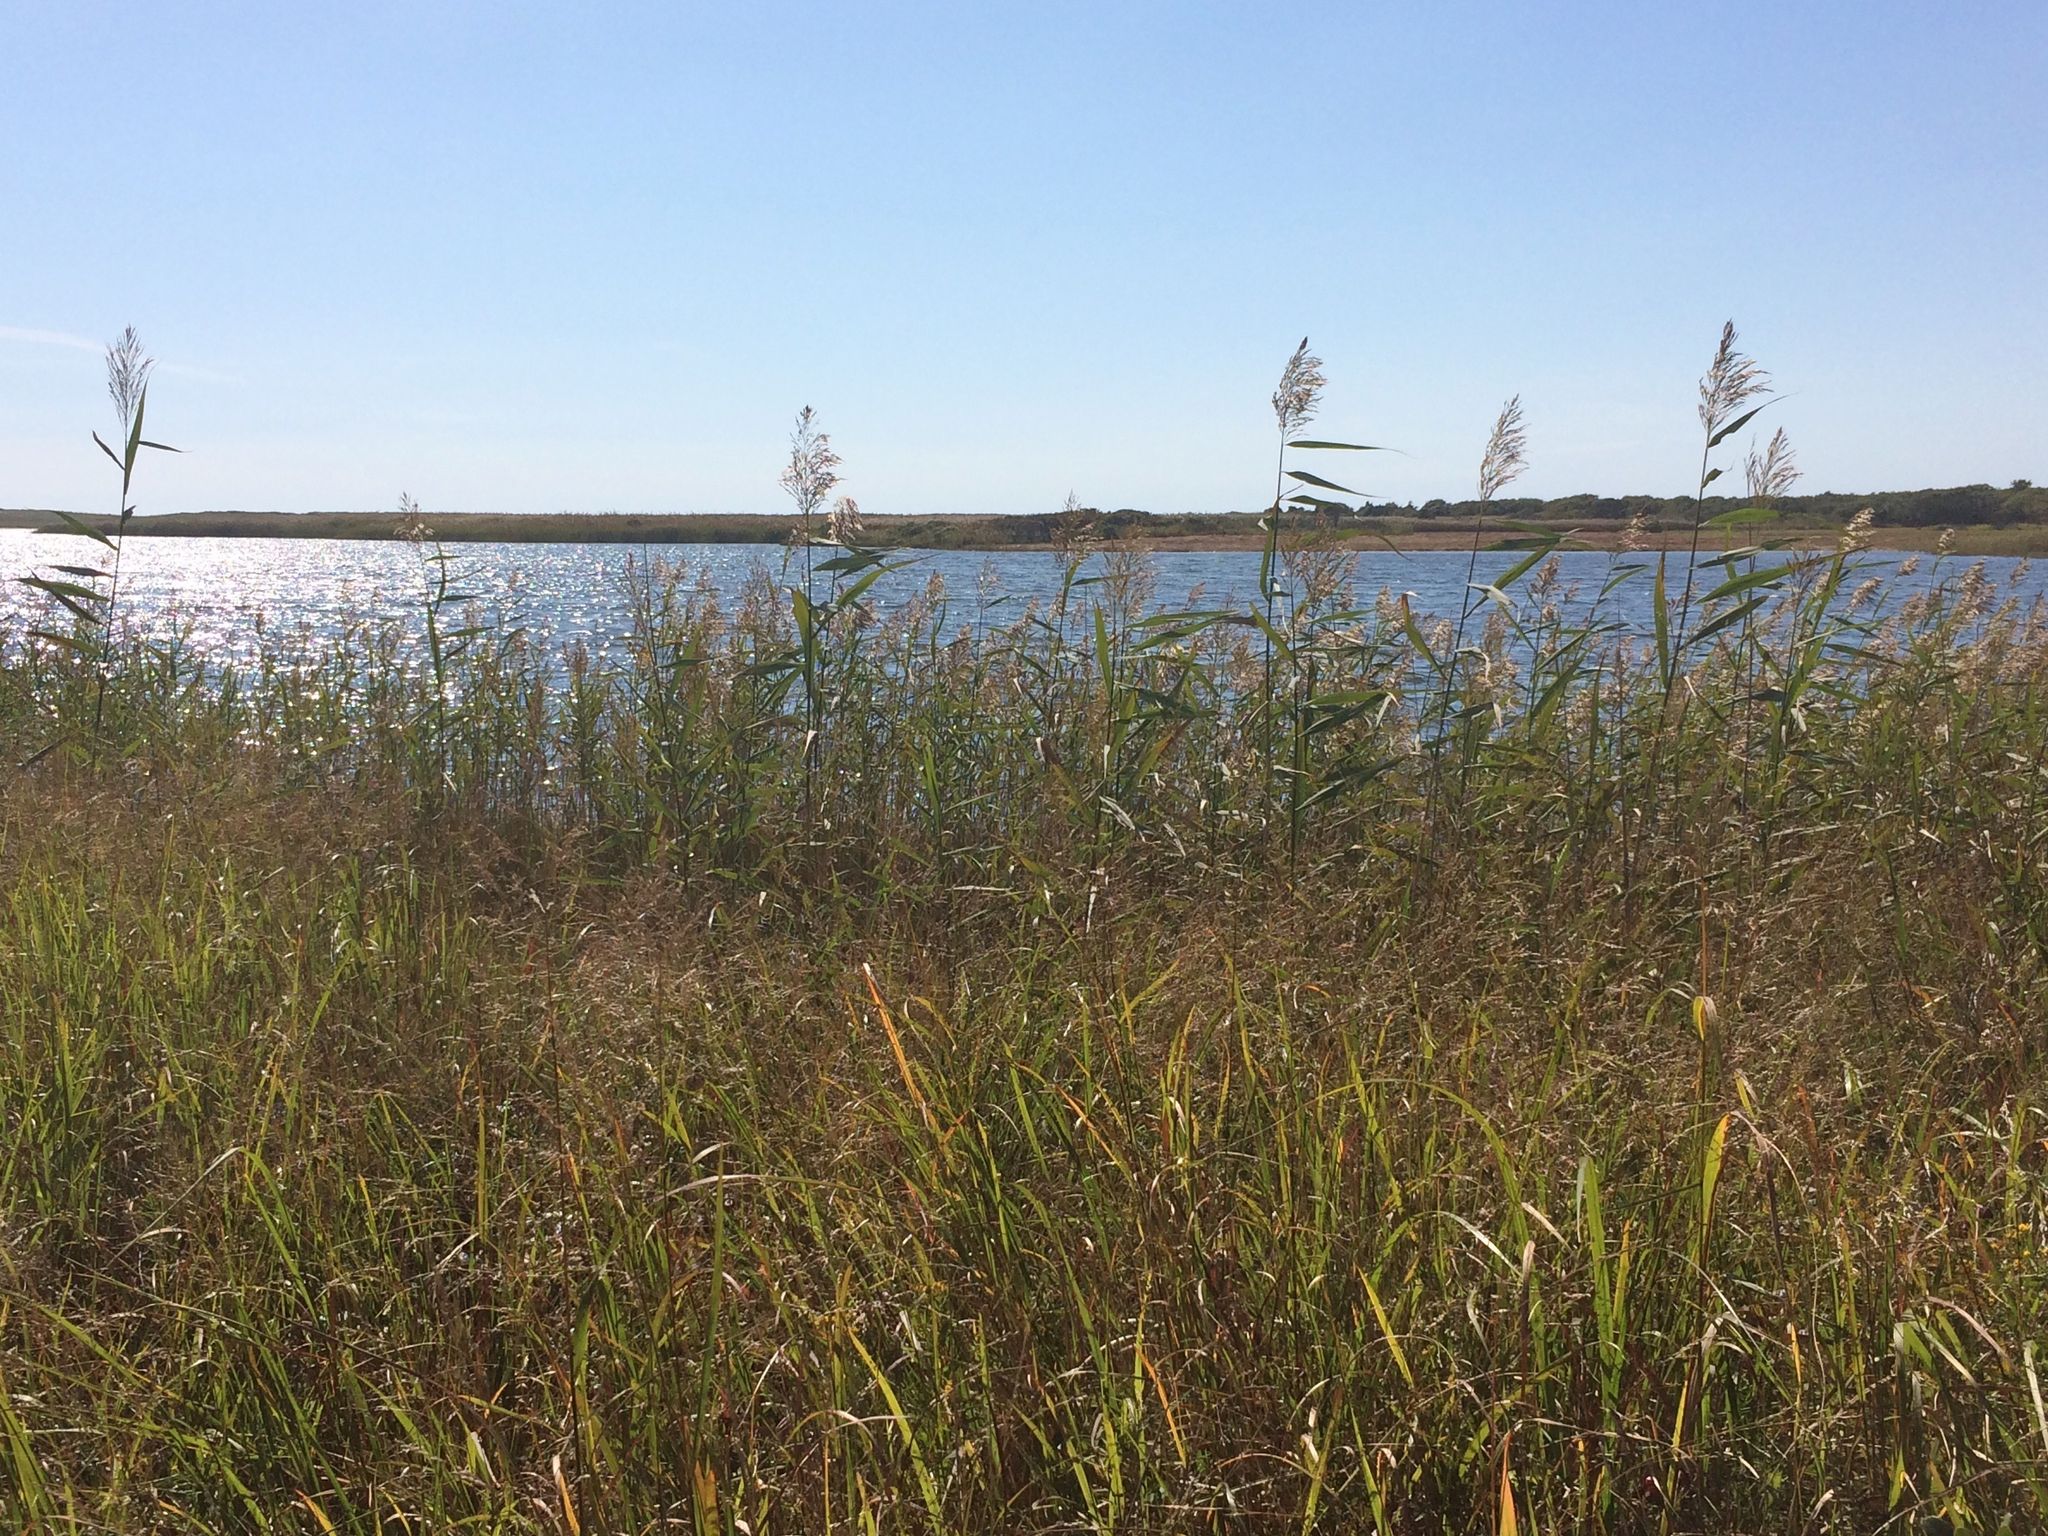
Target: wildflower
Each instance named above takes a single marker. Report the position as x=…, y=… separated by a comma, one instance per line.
x=1636, y=534
x=1856, y=532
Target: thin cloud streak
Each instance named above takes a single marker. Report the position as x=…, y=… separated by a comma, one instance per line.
x=29, y=336
x=49, y=339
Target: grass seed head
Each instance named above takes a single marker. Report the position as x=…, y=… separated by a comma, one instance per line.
x=1856, y=532
x=813, y=468
x=1636, y=534
x=1074, y=528
x=843, y=524
x=1772, y=473
x=412, y=524
x=1506, y=453
x=1300, y=391
x=128, y=371
x=1732, y=382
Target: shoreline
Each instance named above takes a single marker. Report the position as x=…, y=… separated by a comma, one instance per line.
x=2019, y=543
x=1210, y=533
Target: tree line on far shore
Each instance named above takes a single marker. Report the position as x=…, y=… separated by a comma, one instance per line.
x=1949, y=507
x=1965, y=506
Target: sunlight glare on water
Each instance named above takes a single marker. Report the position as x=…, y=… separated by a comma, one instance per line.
x=229, y=594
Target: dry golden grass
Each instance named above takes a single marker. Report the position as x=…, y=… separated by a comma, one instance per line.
x=410, y=1134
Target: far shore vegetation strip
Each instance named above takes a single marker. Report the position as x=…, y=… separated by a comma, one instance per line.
x=1983, y=519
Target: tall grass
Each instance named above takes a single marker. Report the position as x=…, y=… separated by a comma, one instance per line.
x=941, y=1086
x=89, y=595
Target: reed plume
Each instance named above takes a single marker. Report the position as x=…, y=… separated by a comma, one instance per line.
x=813, y=468
x=1506, y=453
x=1506, y=456
x=128, y=369
x=1856, y=532
x=1074, y=528
x=1772, y=473
x=1295, y=401
x=843, y=523
x=1730, y=383
x=1300, y=392
x=808, y=478
x=412, y=523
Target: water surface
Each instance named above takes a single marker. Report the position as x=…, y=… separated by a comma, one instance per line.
x=228, y=594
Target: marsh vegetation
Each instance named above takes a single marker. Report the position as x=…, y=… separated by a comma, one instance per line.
x=1313, y=1066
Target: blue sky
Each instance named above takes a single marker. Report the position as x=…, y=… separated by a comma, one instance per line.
x=533, y=258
